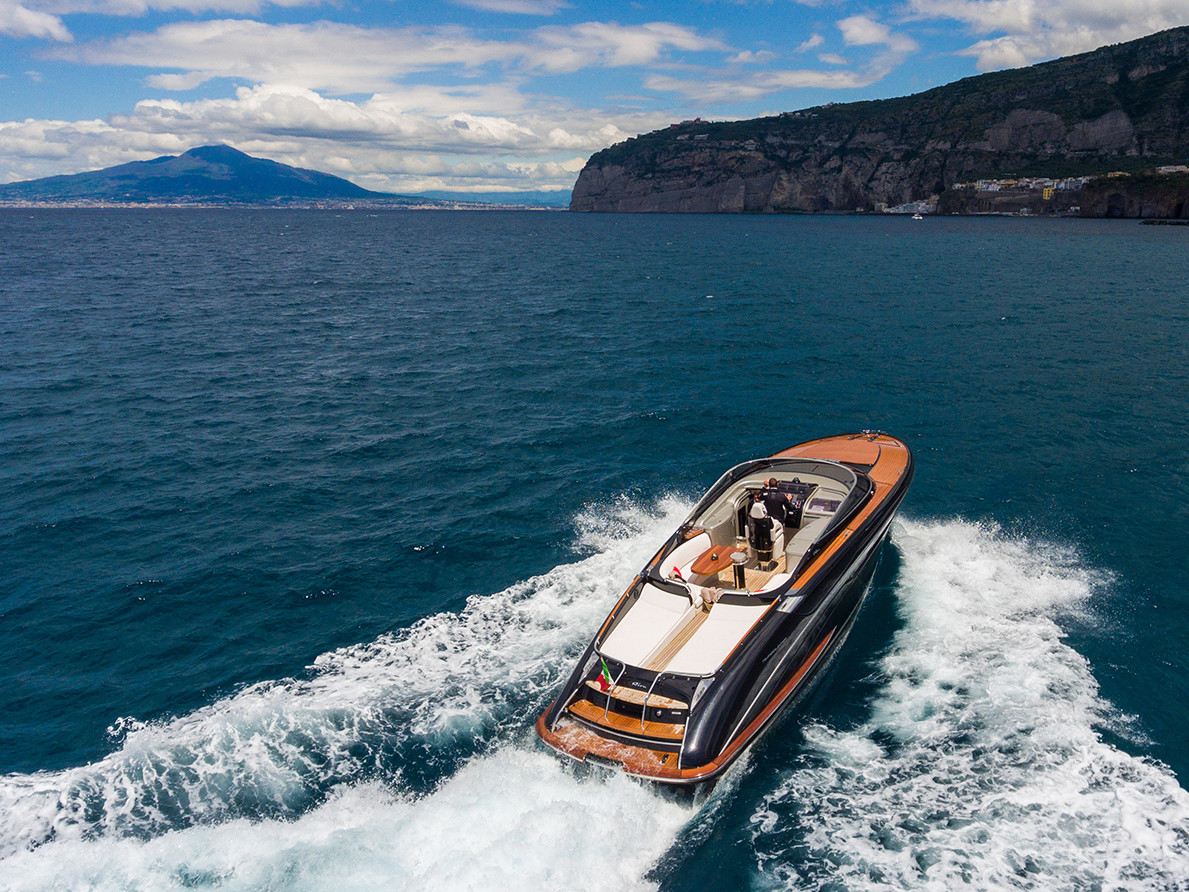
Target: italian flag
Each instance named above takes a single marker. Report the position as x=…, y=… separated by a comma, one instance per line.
x=603, y=680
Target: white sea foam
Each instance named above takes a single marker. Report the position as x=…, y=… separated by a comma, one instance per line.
x=514, y=819
x=981, y=764
x=173, y=791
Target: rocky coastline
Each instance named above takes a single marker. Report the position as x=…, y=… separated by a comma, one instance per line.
x=1121, y=109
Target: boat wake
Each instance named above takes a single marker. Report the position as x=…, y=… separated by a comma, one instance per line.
x=982, y=761
x=408, y=761
x=512, y=819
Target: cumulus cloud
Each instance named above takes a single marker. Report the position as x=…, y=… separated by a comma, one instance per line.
x=729, y=86
x=517, y=7
x=323, y=55
x=752, y=57
x=1021, y=32
x=756, y=85
x=143, y=7
x=345, y=59
x=404, y=141
x=892, y=48
x=399, y=121
x=30, y=149
x=35, y=148
x=608, y=44
x=860, y=30
x=20, y=21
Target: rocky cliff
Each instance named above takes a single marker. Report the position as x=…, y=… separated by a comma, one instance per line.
x=1150, y=195
x=1120, y=107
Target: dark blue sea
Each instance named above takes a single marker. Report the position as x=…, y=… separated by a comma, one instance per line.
x=304, y=516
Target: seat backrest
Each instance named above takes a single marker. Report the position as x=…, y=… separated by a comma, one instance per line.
x=799, y=543
x=777, y=537
x=685, y=554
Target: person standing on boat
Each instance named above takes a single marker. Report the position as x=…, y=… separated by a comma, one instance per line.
x=778, y=504
x=761, y=529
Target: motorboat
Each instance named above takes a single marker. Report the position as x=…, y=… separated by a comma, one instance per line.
x=737, y=615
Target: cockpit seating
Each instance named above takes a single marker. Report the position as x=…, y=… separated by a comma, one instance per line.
x=800, y=542
x=684, y=555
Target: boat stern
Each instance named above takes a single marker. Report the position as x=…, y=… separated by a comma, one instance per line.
x=573, y=739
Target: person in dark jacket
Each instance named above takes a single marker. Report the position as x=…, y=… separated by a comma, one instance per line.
x=776, y=503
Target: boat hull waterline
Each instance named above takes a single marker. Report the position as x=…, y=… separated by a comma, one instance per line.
x=737, y=614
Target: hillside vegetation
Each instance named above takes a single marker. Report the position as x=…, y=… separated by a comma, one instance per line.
x=1119, y=108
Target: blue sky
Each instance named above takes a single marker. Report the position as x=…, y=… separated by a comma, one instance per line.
x=481, y=95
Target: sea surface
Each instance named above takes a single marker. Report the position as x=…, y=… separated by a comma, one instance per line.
x=304, y=516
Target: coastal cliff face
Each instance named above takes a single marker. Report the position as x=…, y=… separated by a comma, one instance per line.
x=1120, y=107
x=1144, y=195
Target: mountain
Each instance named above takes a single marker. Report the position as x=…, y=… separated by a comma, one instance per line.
x=1119, y=108
x=210, y=174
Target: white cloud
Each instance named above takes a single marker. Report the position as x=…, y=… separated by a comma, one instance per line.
x=344, y=59
x=406, y=141
x=750, y=57
x=608, y=44
x=756, y=85
x=142, y=7
x=1017, y=16
x=264, y=112
x=813, y=42
x=35, y=148
x=1021, y=32
x=859, y=30
x=732, y=86
x=31, y=149
x=324, y=55
x=187, y=81
x=20, y=21
x=517, y=7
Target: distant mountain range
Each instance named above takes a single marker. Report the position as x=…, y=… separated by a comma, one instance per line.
x=206, y=175
x=1119, y=108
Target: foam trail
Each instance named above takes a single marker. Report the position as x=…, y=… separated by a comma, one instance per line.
x=511, y=820
x=406, y=710
x=981, y=764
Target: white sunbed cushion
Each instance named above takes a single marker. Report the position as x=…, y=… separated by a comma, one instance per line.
x=712, y=643
x=648, y=622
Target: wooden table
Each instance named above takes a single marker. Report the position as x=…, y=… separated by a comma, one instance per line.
x=714, y=559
